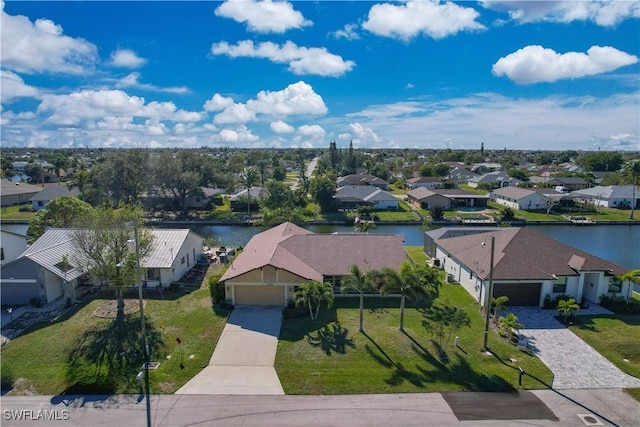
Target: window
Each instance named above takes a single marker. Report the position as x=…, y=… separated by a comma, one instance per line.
x=615, y=285
x=153, y=274
x=182, y=261
x=560, y=285
x=2, y=254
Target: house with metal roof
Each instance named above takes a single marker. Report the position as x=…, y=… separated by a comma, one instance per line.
x=275, y=262
x=611, y=196
x=527, y=266
x=52, y=267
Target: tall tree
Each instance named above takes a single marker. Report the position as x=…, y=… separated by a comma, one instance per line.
x=248, y=180
x=411, y=280
x=81, y=180
x=175, y=175
x=58, y=162
x=123, y=175
x=359, y=282
x=322, y=190
x=61, y=212
x=102, y=239
x=631, y=176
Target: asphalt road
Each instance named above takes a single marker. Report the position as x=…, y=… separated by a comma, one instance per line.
x=601, y=407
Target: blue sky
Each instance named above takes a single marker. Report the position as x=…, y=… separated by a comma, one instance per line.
x=550, y=75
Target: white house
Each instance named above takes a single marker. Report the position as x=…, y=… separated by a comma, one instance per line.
x=352, y=196
x=527, y=266
x=611, y=196
x=42, y=273
x=11, y=246
x=518, y=198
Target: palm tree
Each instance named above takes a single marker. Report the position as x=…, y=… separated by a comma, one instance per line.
x=80, y=179
x=59, y=162
x=357, y=281
x=414, y=281
x=249, y=179
x=314, y=293
x=509, y=323
x=631, y=175
x=632, y=276
x=567, y=308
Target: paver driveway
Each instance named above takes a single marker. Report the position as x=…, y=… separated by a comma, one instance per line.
x=242, y=362
x=575, y=364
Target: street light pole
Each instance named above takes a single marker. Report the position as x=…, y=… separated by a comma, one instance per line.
x=488, y=296
x=142, y=324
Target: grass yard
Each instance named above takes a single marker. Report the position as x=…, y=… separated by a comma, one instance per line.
x=403, y=214
x=330, y=356
x=13, y=212
x=416, y=253
x=83, y=353
x=616, y=337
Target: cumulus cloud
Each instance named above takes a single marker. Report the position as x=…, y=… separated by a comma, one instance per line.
x=361, y=135
x=603, y=13
x=80, y=107
x=41, y=47
x=263, y=16
x=347, y=32
x=240, y=134
x=14, y=87
x=434, y=19
x=132, y=80
x=315, y=130
x=535, y=64
x=301, y=60
x=281, y=127
x=126, y=58
x=296, y=99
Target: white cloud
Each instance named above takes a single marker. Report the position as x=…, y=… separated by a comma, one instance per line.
x=240, y=134
x=263, y=16
x=551, y=123
x=41, y=47
x=126, y=58
x=603, y=13
x=218, y=103
x=311, y=130
x=12, y=87
x=131, y=80
x=534, y=64
x=86, y=106
x=363, y=135
x=434, y=19
x=347, y=32
x=301, y=60
x=390, y=110
x=281, y=127
x=296, y=99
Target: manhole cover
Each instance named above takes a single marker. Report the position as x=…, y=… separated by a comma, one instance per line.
x=590, y=420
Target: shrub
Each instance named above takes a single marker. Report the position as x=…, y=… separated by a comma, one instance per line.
x=25, y=208
x=619, y=305
x=216, y=289
x=36, y=302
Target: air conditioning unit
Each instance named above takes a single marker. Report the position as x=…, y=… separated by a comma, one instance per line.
x=450, y=278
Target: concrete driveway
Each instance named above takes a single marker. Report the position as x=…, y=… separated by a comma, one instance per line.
x=242, y=362
x=575, y=364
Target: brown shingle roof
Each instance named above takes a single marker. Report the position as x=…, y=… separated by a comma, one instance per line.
x=312, y=256
x=523, y=254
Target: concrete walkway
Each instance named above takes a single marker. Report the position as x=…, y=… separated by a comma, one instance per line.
x=575, y=364
x=242, y=362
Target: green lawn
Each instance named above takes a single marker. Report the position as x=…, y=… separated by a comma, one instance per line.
x=83, y=353
x=13, y=212
x=403, y=214
x=330, y=356
x=416, y=253
x=616, y=337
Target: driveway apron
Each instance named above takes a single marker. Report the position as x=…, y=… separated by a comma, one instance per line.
x=575, y=364
x=242, y=362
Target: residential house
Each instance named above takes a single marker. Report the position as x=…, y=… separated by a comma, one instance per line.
x=570, y=183
x=239, y=200
x=495, y=179
x=47, y=194
x=425, y=181
x=52, y=267
x=611, y=196
x=527, y=267
x=275, y=262
x=353, y=196
x=164, y=198
x=16, y=193
x=363, y=179
x=450, y=198
x=11, y=246
x=461, y=175
x=519, y=198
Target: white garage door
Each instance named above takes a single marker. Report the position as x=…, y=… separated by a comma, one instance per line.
x=259, y=295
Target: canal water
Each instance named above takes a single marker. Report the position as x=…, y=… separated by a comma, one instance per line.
x=619, y=244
